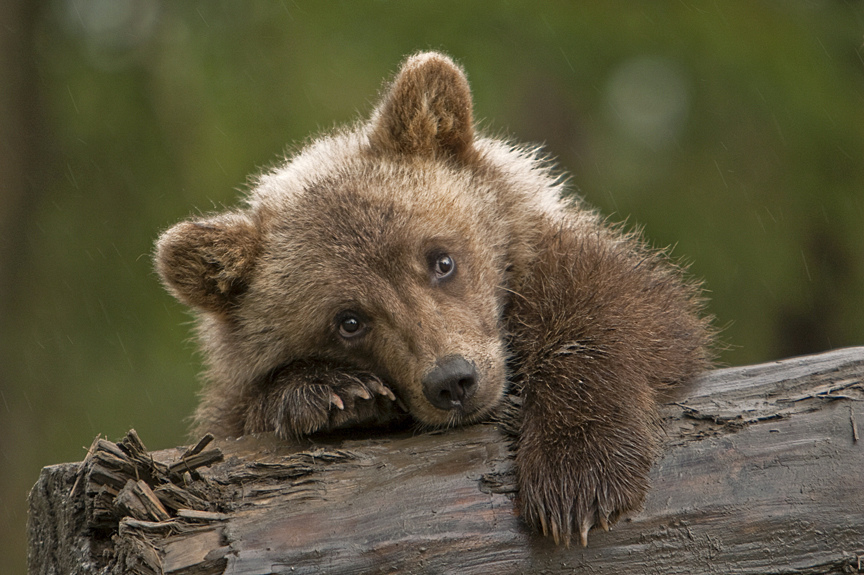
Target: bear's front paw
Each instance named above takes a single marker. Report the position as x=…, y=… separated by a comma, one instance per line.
x=563, y=495
x=303, y=398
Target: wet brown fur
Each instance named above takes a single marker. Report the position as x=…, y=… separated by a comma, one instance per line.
x=578, y=321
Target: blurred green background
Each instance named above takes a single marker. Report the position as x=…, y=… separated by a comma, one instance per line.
x=733, y=130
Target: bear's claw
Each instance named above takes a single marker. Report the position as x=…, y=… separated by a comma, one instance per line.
x=359, y=390
x=583, y=533
x=604, y=523
x=337, y=401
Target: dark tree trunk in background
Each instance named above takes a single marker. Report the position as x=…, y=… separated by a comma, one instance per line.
x=20, y=139
x=21, y=143
x=763, y=472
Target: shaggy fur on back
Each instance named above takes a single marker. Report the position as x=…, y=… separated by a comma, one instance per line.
x=407, y=268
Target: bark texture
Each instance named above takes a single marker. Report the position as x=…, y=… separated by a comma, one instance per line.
x=763, y=472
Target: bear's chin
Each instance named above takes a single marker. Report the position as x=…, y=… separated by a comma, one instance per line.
x=430, y=417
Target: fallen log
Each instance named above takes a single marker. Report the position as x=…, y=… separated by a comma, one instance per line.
x=763, y=472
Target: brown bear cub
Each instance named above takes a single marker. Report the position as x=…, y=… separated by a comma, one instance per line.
x=408, y=267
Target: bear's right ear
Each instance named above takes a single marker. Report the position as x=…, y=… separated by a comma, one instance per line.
x=426, y=111
x=205, y=263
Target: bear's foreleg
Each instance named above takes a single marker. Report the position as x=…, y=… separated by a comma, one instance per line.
x=596, y=326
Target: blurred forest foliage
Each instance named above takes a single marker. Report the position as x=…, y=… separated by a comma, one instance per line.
x=733, y=130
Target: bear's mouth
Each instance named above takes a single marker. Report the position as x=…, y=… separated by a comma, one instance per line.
x=429, y=416
x=457, y=417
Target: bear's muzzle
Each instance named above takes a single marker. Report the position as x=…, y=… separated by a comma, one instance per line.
x=452, y=381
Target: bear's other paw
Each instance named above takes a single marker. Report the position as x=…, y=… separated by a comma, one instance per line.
x=566, y=496
x=307, y=397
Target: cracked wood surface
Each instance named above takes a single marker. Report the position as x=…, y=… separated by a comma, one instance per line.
x=763, y=472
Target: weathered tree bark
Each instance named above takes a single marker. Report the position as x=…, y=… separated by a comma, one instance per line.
x=763, y=473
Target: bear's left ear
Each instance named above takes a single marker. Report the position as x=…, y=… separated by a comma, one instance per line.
x=205, y=262
x=426, y=111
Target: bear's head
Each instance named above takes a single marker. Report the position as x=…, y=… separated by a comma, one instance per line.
x=381, y=248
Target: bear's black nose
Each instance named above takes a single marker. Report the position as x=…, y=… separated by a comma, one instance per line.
x=453, y=380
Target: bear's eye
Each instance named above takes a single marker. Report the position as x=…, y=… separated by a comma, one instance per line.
x=444, y=266
x=350, y=325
